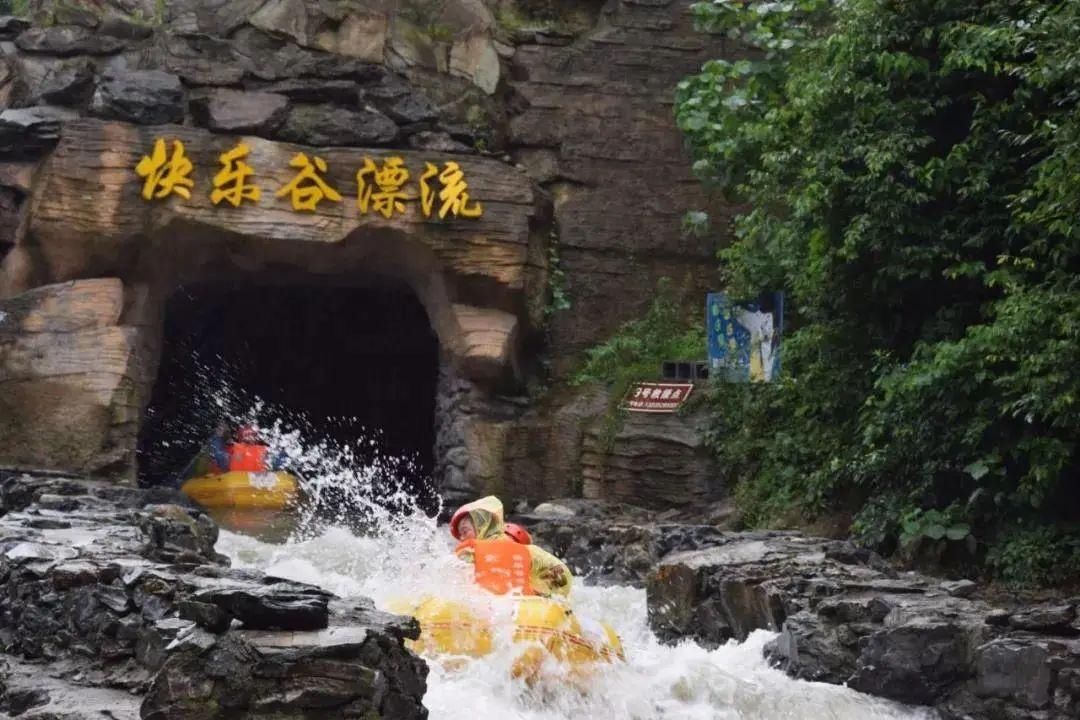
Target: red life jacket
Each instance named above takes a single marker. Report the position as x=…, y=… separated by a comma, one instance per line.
x=248, y=458
x=500, y=566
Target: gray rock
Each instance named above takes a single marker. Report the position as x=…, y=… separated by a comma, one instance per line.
x=114, y=598
x=65, y=14
x=236, y=111
x=200, y=59
x=69, y=575
x=411, y=107
x=26, y=551
x=437, y=142
x=10, y=26
x=1018, y=670
x=323, y=125
x=1044, y=618
x=273, y=58
x=58, y=503
x=193, y=639
x=29, y=131
x=959, y=588
x=144, y=97
x=552, y=511
x=205, y=615
x=916, y=663
x=282, y=605
x=68, y=40
x=121, y=27
x=72, y=83
x=388, y=87
x=309, y=90
x=174, y=531
x=23, y=699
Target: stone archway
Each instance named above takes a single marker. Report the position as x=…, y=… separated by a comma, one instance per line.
x=90, y=239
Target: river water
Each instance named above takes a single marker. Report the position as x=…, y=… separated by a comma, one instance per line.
x=657, y=682
x=396, y=551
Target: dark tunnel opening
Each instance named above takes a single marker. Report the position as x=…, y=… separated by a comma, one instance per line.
x=355, y=366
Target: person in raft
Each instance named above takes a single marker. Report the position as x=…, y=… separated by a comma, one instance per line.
x=502, y=562
x=246, y=452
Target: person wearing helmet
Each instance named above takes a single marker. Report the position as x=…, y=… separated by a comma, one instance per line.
x=503, y=563
x=247, y=452
x=517, y=533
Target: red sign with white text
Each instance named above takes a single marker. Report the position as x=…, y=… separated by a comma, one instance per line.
x=657, y=397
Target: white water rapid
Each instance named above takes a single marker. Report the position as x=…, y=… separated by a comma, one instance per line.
x=396, y=551
x=657, y=683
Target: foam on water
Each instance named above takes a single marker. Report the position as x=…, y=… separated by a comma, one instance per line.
x=400, y=552
x=657, y=683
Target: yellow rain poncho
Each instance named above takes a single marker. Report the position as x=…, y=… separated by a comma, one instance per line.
x=548, y=575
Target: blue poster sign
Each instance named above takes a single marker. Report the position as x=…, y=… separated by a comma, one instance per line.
x=744, y=337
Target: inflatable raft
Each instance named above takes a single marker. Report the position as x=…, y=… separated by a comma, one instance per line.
x=243, y=490
x=541, y=630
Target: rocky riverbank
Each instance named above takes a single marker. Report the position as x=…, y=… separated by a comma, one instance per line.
x=114, y=603
x=843, y=614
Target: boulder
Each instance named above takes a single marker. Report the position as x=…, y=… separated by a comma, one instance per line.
x=200, y=59
x=144, y=97
x=235, y=111
x=70, y=83
x=11, y=26
x=475, y=58
x=846, y=617
x=341, y=92
x=12, y=85
x=68, y=40
x=488, y=342
x=341, y=30
x=269, y=57
x=152, y=640
x=281, y=605
x=654, y=460
x=331, y=125
x=29, y=131
x=65, y=375
x=1046, y=618
x=411, y=107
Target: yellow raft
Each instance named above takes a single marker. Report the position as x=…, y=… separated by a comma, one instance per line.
x=543, y=629
x=243, y=490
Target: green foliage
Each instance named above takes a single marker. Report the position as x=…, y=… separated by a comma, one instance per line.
x=425, y=16
x=635, y=352
x=18, y=8
x=911, y=170
x=560, y=300
x=1038, y=556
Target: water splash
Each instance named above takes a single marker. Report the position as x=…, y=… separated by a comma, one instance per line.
x=346, y=474
x=412, y=556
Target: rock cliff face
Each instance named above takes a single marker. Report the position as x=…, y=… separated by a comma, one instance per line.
x=113, y=601
x=845, y=616
x=557, y=114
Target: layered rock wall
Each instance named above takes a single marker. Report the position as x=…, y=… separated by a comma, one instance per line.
x=558, y=114
x=108, y=588
x=844, y=616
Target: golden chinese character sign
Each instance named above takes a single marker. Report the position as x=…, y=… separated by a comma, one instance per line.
x=382, y=185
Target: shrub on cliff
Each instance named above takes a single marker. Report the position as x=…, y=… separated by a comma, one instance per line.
x=912, y=172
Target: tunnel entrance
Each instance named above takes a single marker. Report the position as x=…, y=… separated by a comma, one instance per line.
x=356, y=366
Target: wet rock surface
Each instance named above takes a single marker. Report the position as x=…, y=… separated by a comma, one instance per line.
x=113, y=600
x=842, y=614
x=845, y=616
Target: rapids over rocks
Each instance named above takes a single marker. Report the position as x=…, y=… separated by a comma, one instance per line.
x=686, y=682
x=398, y=550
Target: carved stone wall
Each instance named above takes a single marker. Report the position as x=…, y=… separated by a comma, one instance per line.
x=558, y=114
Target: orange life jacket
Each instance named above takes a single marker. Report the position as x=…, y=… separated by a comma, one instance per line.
x=500, y=566
x=246, y=457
